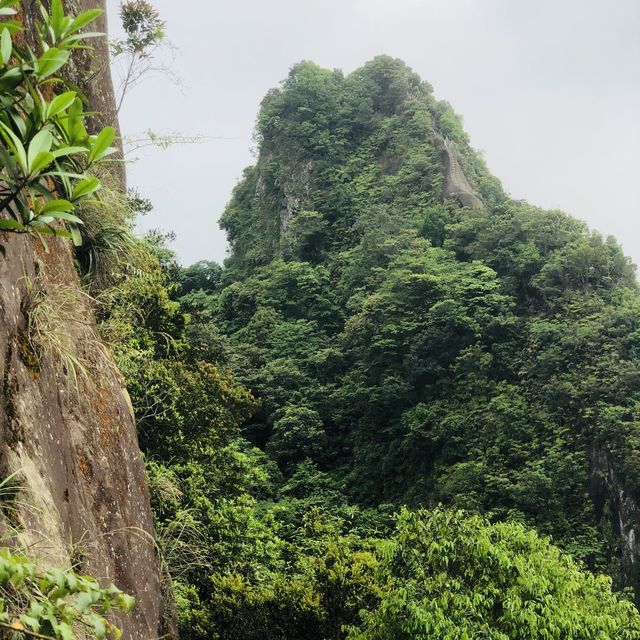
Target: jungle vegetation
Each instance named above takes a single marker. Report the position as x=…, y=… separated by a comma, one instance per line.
x=387, y=415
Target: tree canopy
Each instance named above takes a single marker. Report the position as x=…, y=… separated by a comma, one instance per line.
x=372, y=347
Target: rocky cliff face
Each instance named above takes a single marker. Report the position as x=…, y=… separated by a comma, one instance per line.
x=66, y=422
x=456, y=185
x=615, y=504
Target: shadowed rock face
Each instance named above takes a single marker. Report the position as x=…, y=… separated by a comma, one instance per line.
x=456, y=185
x=613, y=502
x=74, y=440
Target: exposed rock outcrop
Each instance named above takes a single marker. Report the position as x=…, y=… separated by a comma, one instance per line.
x=456, y=184
x=74, y=441
x=69, y=428
x=613, y=503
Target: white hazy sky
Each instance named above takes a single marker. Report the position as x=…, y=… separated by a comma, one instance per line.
x=549, y=90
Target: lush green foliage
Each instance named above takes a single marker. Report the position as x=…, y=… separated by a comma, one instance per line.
x=453, y=577
x=485, y=359
x=45, y=149
x=54, y=603
x=399, y=349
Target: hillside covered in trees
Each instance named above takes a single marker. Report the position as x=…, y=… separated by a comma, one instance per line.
x=405, y=407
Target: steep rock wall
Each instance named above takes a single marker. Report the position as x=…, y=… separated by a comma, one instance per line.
x=70, y=430
x=613, y=503
x=456, y=185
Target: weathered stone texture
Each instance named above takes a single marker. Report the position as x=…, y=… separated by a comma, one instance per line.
x=75, y=443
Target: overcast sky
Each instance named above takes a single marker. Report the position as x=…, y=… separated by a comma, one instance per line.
x=549, y=90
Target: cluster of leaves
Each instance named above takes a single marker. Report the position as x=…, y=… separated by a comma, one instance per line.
x=55, y=603
x=45, y=149
x=447, y=575
x=438, y=575
x=142, y=25
x=109, y=249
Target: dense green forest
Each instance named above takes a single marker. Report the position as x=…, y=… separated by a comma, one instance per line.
x=388, y=415
x=405, y=407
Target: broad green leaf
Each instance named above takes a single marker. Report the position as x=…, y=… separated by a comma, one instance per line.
x=8, y=7
x=17, y=576
x=5, y=46
x=57, y=205
x=60, y=103
x=50, y=61
x=83, y=602
x=30, y=622
x=99, y=627
x=40, y=143
x=63, y=215
x=41, y=162
x=128, y=602
x=84, y=19
x=13, y=25
x=15, y=145
x=85, y=187
x=20, y=124
x=75, y=235
x=40, y=220
x=72, y=580
x=28, y=103
x=56, y=576
x=70, y=41
x=57, y=17
x=73, y=123
x=64, y=631
x=101, y=143
x=23, y=206
x=11, y=79
x=10, y=225
x=68, y=151
x=109, y=152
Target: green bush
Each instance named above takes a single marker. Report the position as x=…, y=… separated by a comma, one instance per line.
x=45, y=150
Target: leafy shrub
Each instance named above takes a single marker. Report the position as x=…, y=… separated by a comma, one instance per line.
x=54, y=603
x=45, y=149
x=451, y=576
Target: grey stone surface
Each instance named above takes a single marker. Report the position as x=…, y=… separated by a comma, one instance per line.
x=86, y=502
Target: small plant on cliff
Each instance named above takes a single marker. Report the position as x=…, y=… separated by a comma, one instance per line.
x=51, y=314
x=133, y=56
x=109, y=250
x=54, y=603
x=59, y=329
x=45, y=149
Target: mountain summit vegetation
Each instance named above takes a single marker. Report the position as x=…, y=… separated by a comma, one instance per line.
x=405, y=407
